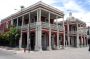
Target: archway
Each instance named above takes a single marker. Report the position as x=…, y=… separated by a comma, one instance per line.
x=24, y=40
x=53, y=41
x=44, y=41
x=32, y=40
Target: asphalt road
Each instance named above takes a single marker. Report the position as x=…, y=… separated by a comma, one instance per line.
x=9, y=55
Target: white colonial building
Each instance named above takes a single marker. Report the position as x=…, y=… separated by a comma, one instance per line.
x=38, y=30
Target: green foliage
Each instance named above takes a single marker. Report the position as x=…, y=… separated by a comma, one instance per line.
x=11, y=36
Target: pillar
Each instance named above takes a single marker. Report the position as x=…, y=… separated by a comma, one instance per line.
x=22, y=20
x=28, y=38
x=57, y=32
x=28, y=34
x=49, y=47
x=38, y=45
x=77, y=39
x=84, y=41
x=11, y=21
x=63, y=34
x=68, y=37
x=20, y=41
x=81, y=40
x=17, y=22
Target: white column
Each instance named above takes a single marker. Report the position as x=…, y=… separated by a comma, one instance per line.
x=7, y=24
x=22, y=20
x=81, y=39
x=57, y=33
x=49, y=48
x=28, y=39
x=28, y=34
x=68, y=34
x=11, y=21
x=20, y=41
x=77, y=40
x=64, y=34
x=84, y=41
x=17, y=22
x=38, y=45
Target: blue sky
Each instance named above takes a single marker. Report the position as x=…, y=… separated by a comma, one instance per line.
x=79, y=8
x=85, y=4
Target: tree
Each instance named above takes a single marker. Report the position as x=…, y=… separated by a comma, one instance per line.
x=10, y=37
x=13, y=36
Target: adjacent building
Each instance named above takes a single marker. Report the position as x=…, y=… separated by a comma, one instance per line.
x=75, y=32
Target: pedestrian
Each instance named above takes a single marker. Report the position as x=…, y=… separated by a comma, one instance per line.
x=89, y=44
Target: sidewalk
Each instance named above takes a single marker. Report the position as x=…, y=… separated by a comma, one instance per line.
x=67, y=53
x=15, y=50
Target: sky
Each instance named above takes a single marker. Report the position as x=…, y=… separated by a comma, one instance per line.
x=79, y=8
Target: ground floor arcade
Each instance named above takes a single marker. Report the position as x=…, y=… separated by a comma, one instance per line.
x=76, y=41
x=41, y=40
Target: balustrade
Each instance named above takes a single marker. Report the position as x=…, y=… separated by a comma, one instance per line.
x=43, y=25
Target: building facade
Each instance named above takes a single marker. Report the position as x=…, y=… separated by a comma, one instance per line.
x=38, y=30
x=76, y=33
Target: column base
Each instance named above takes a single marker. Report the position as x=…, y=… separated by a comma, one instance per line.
x=49, y=48
x=77, y=46
x=62, y=47
x=57, y=48
x=37, y=48
x=28, y=43
x=20, y=43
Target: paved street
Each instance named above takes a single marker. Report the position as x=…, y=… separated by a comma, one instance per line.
x=67, y=53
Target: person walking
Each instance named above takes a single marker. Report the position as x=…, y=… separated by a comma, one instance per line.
x=89, y=44
x=88, y=37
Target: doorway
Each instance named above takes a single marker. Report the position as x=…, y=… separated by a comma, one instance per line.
x=24, y=40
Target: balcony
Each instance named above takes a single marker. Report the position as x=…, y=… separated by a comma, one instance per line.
x=60, y=28
x=43, y=25
x=53, y=26
x=82, y=30
x=32, y=25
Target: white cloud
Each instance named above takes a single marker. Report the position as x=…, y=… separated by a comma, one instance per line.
x=80, y=12
x=7, y=7
x=77, y=11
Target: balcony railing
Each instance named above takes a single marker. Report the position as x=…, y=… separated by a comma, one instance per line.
x=43, y=25
x=53, y=26
x=32, y=25
x=60, y=28
x=24, y=26
x=82, y=30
